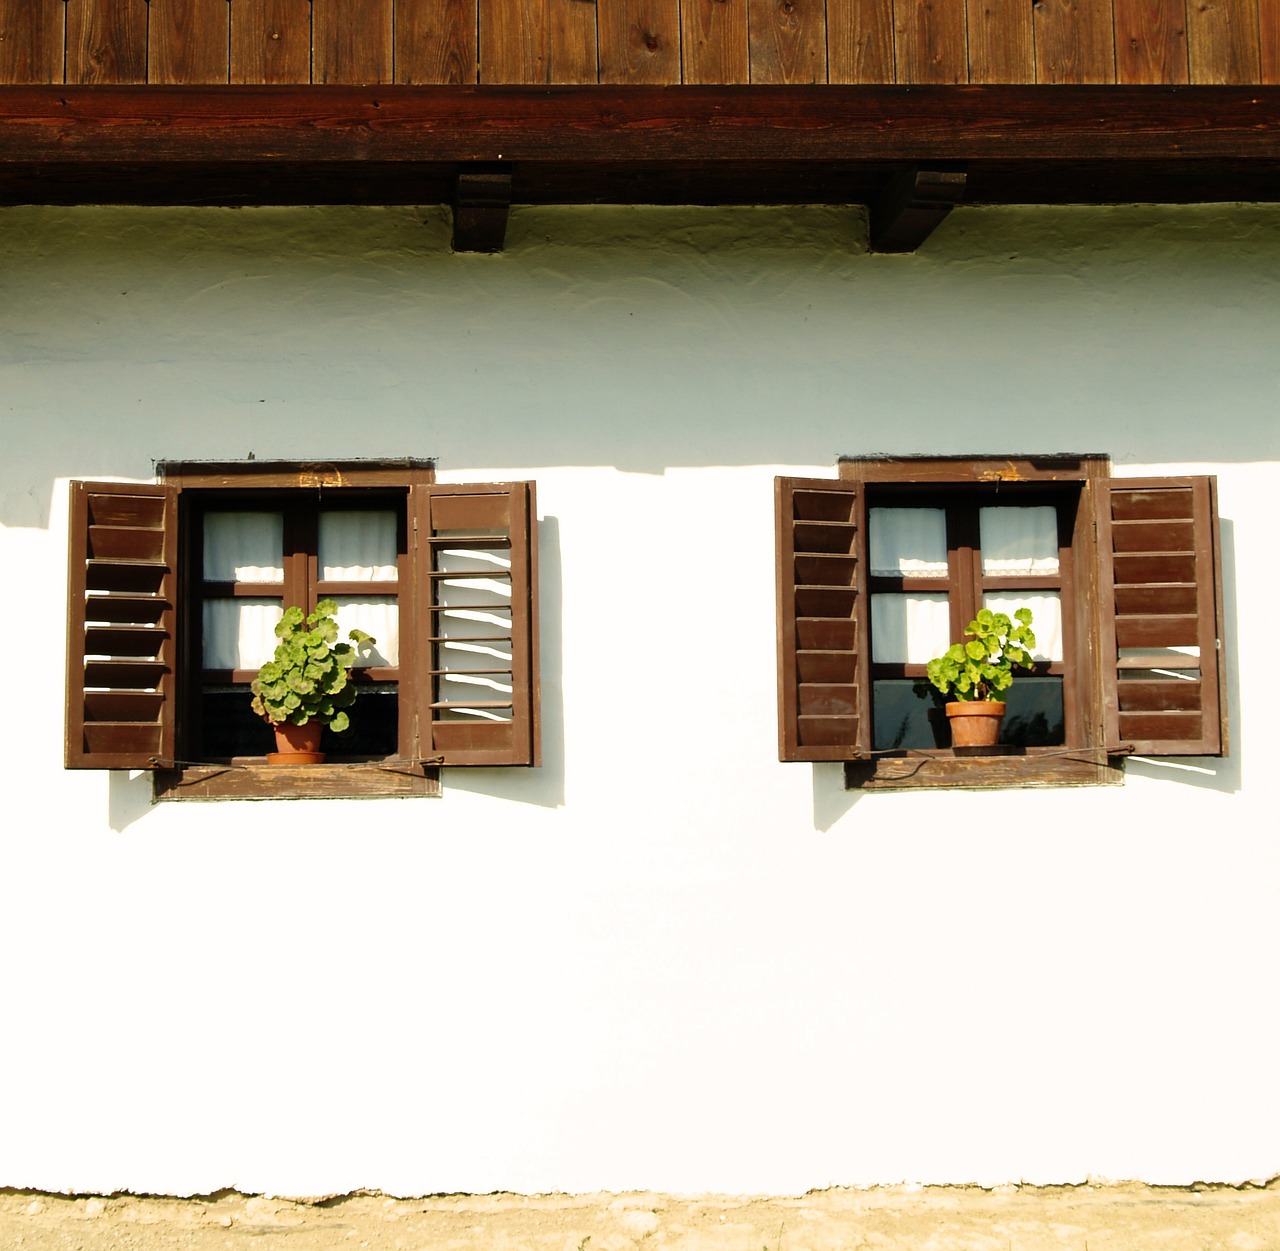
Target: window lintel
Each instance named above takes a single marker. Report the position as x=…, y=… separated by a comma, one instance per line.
x=283, y=474
x=927, y=468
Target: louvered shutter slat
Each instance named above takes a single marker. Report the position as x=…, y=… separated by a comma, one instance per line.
x=822, y=670
x=1162, y=606
x=121, y=626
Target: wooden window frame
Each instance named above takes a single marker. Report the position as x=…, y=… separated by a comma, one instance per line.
x=134, y=557
x=1126, y=592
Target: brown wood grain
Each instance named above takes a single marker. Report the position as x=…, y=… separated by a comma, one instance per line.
x=1075, y=41
x=640, y=41
x=188, y=41
x=1001, y=44
x=106, y=41
x=353, y=127
x=930, y=43
x=351, y=41
x=32, y=39
x=1151, y=41
x=714, y=41
x=435, y=41
x=1269, y=30
x=571, y=42
x=270, y=41
x=513, y=44
x=860, y=41
x=788, y=41
x=1223, y=41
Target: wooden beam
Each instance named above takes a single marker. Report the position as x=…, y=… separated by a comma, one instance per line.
x=60, y=126
x=481, y=204
x=912, y=206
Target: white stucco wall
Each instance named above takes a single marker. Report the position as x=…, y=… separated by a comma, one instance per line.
x=663, y=960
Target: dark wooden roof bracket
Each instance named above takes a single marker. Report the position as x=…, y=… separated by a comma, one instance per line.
x=481, y=204
x=913, y=205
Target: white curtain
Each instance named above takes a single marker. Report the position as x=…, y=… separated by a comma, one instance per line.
x=376, y=615
x=358, y=546
x=909, y=629
x=1019, y=540
x=240, y=633
x=243, y=547
x=911, y=542
x=1046, y=618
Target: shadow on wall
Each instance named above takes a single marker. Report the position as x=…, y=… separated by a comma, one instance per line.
x=639, y=338
x=1210, y=773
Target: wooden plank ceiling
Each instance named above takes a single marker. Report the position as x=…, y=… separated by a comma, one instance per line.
x=905, y=105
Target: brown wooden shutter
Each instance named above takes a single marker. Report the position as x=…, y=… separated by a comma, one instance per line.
x=476, y=562
x=1161, y=588
x=121, y=626
x=823, y=697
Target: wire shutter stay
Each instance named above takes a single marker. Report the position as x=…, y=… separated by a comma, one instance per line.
x=823, y=709
x=479, y=705
x=1161, y=588
x=121, y=626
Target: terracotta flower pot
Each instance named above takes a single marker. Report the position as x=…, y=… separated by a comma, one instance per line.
x=296, y=744
x=975, y=723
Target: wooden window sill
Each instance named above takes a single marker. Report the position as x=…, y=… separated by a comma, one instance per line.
x=934, y=770
x=355, y=780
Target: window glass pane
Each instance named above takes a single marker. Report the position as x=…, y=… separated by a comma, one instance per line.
x=909, y=629
x=240, y=633
x=243, y=547
x=232, y=728
x=902, y=719
x=1019, y=540
x=376, y=615
x=1046, y=618
x=358, y=546
x=1033, y=713
x=909, y=542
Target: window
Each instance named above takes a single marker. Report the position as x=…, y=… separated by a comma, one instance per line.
x=881, y=569
x=176, y=589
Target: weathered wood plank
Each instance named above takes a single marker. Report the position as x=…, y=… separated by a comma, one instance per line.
x=1223, y=41
x=640, y=41
x=92, y=127
x=787, y=41
x=1001, y=44
x=930, y=41
x=32, y=41
x=106, y=41
x=714, y=41
x=435, y=41
x=1269, y=28
x=351, y=41
x=571, y=42
x=1075, y=41
x=1151, y=41
x=270, y=41
x=513, y=47
x=860, y=41
x=188, y=41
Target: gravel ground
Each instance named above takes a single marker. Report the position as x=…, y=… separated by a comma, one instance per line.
x=1126, y=1217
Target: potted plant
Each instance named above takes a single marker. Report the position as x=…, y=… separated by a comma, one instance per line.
x=974, y=675
x=307, y=684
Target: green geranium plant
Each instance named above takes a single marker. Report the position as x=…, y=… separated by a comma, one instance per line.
x=309, y=678
x=981, y=668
